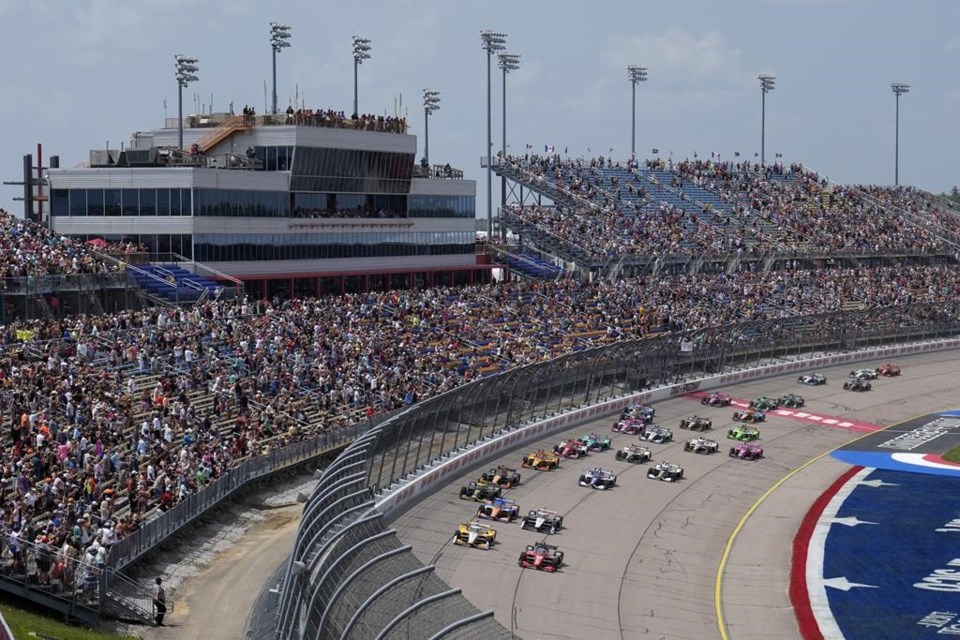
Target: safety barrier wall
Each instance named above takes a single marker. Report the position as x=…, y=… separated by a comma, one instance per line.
x=410, y=453
x=409, y=491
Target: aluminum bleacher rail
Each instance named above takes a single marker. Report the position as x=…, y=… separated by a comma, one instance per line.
x=349, y=574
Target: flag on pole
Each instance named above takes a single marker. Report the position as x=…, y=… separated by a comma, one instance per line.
x=779, y=155
x=655, y=151
x=549, y=148
x=736, y=154
x=565, y=149
x=529, y=146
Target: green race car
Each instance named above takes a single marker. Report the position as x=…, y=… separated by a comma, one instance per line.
x=744, y=433
x=596, y=442
x=763, y=403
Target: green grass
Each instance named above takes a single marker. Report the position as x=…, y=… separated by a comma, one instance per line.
x=953, y=455
x=27, y=625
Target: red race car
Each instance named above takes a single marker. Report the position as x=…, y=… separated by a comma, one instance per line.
x=571, y=449
x=888, y=370
x=545, y=557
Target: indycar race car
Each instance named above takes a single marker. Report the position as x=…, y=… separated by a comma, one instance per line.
x=746, y=451
x=640, y=411
x=744, y=433
x=480, y=491
x=500, y=509
x=629, y=426
x=812, y=378
x=666, y=471
x=717, y=399
x=763, y=403
x=701, y=445
x=541, y=460
x=696, y=423
x=542, y=556
x=505, y=477
x=634, y=453
x=888, y=370
x=596, y=442
x=656, y=434
x=475, y=534
x=791, y=400
x=597, y=478
x=571, y=448
x=865, y=374
x=542, y=520
x=857, y=384
x=749, y=415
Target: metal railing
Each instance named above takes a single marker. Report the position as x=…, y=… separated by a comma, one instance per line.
x=345, y=555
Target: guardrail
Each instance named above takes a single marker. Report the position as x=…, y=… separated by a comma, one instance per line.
x=344, y=546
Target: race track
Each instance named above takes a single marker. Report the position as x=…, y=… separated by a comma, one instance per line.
x=642, y=559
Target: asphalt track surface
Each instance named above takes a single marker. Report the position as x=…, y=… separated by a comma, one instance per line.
x=642, y=559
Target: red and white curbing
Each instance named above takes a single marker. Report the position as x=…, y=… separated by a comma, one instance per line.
x=800, y=414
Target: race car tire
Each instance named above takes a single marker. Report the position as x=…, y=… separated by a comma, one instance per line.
x=619, y=455
x=733, y=452
x=463, y=492
x=553, y=529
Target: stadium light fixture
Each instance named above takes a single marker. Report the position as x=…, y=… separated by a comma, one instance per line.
x=279, y=34
x=186, y=73
x=636, y=74
x=361, y=52
x=898, y=89
x=492, y=42
x=766, y=86
x=431, y=103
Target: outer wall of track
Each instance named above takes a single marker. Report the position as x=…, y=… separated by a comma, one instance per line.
x=642, y=559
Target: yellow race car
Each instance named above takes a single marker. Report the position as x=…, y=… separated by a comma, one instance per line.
x=541, y=460
x=475, y=534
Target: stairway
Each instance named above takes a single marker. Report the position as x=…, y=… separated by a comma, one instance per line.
x=175, y=284
x=222, y=132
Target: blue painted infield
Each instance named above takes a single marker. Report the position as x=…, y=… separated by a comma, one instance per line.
x=901, y=554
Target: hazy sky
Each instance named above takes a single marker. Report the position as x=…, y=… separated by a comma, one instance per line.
x=77, y=73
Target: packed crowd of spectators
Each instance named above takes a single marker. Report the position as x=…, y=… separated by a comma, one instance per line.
x=112, y=419
x=772, y=208
x=340, y=120
x=32, y=250
x=359, y=212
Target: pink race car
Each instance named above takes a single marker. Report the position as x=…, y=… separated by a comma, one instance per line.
x=629, y=426
x=717, y=399
x=746, y=451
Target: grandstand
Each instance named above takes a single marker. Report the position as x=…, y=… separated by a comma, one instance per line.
x=609, y=219
x=122, y=427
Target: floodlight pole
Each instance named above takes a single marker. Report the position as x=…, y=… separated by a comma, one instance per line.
x=492, y=42
x=898, y=89
x=186, y=67
x=636, y=74
x=361, y=52
x=507, y=62
x=766, y=85
x=279, y=33
x=431, y=103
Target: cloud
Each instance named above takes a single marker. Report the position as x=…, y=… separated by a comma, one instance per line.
x=697, y=61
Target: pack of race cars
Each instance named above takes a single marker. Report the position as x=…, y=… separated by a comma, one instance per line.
x=638, y=421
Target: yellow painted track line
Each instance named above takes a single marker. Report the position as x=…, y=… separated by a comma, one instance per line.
x=718, y=582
